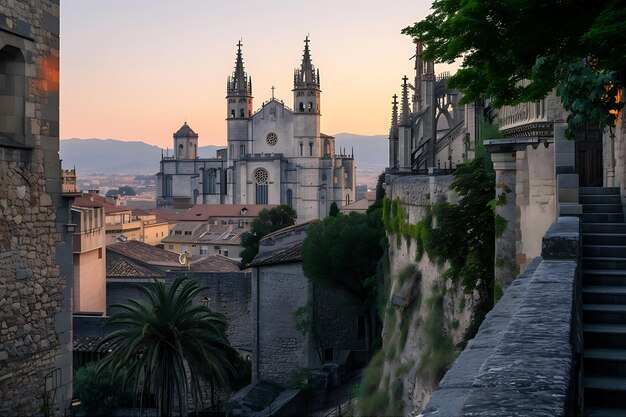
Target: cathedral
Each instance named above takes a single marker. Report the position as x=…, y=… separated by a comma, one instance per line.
x=274, y=155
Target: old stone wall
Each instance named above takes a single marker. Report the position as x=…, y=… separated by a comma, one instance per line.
x=337, y=321
x=35, y=255
x=279, y=349
x=409, y=372
x=522, y=361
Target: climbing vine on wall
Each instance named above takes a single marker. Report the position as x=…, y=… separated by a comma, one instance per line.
x=463, y=234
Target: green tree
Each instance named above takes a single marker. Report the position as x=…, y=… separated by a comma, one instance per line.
x=574, y=46
x=334, y=210
x=342, y=252
x=268, y=221
x=168, y=346
x=127, y=190
x=99, y=394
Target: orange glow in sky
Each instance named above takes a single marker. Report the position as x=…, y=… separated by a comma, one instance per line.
x=135, y=70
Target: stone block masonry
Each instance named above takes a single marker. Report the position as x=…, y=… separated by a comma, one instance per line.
x=35, y=259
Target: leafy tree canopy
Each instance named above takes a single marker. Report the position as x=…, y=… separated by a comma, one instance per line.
x=268, y=221
x=575, y=46
x=334, y=210
x=343, y=252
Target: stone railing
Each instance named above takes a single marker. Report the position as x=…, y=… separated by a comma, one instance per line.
x=510, y=117
x=524, y=358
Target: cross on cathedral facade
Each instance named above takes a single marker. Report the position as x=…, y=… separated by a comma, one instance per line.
x=274, y=155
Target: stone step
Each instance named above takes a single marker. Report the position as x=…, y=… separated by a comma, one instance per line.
x=603, y=263
x=604, y=239
x=599, y=199
x=605, y=251
x=604, y=313
x=616, y=228
x=605, y=391
x=604, y=412
x=604, y=294
x=605, y=362
x=601, y=335
x=602, y=218
x=604, y=277
x=598, y=190
x=602, y=208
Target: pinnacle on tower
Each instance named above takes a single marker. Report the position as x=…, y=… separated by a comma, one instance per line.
x=393, y=130
x=405, y=118
x=306, y=75
x=238, y=83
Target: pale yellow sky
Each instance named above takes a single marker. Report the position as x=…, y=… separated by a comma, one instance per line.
x=135, y=69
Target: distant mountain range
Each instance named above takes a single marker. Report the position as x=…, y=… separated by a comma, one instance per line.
x=111, y=156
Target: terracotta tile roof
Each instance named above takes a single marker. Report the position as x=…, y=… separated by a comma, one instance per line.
x=91, y=344
x=142, y=252
x=125, y=268
x=202, y=212
x=281, y=255
x=215, y=263
x=97, y=201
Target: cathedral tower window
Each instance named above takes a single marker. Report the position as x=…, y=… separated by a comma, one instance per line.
x=261, y=178
x=301, y=108
x=310, y=148
x=347, y=199
x=232, y=113
x=301, y=145
x=271, y=139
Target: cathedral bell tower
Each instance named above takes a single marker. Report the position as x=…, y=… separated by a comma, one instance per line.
x=306, y=97
x=239, y=110
x=185, y=143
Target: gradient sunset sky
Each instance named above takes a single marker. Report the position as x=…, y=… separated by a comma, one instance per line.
x=136, y=69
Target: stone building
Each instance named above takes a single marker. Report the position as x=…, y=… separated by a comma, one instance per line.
x=275, y=155
x=279, y=290
x=35, y=246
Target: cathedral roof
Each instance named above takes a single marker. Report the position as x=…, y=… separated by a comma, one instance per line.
x=185, y=131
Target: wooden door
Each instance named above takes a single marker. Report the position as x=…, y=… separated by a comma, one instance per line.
x=589, y=155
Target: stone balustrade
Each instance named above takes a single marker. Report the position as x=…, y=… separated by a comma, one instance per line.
x=523, y=360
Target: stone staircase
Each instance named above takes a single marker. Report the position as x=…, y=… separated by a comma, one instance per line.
x=604, y=301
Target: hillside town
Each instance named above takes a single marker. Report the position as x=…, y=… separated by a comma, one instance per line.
x=483, y=274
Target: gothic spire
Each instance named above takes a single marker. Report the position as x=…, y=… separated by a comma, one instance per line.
x=405, y=118
x=238, y=83
x=393, y=130
x=306, y=75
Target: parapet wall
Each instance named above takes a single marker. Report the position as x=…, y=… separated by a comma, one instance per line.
x=522, y=361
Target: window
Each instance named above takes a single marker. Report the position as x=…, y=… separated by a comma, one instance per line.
x=240, y=223
x=183, y=248
x=310, y=107
x=347, y=199
x=225, y=253
x=300, y=148
x=232, y=113
x=211, y=181
x=241, y=113
x=12, y=94
x=170, y=247
x=178, y=232
x=204, y=250
x=310, y=148
x=187, y=232
x=99, y=253
x=242, y=150
x=301, y=108
x=290, y=197
x=156, y=235
x=261, y=179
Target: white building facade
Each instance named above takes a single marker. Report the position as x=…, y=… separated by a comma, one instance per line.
x=276, y=155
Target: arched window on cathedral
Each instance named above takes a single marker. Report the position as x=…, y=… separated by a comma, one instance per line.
x=12, y=94
x=327, y=148
x=261, y=178
x=211, y=180
x=347, y=199
x=310, y=107
x=167, y=186
x=232, y=113
x=241, y=113
x=290, y=197
x=181, y=149
x=301, y=108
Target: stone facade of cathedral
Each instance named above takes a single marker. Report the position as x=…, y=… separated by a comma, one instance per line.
x=275, y=155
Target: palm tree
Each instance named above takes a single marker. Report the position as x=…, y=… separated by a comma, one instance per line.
x=165, y=341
